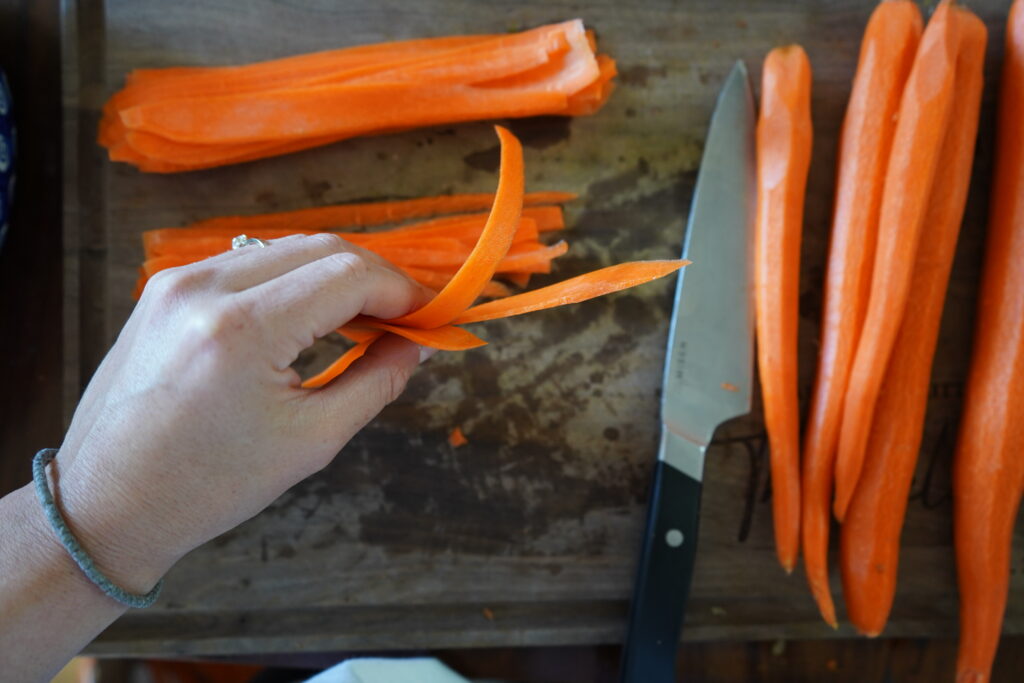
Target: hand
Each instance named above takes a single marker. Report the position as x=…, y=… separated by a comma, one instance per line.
x=195, y=422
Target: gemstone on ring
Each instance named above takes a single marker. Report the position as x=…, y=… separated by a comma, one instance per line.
x=244, y=241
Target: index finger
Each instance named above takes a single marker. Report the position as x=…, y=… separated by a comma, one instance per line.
x=314, y=299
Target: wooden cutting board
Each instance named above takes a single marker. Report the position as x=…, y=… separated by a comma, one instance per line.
x=528, y=535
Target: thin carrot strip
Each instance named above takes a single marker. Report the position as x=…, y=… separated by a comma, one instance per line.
x=465, y=229
x=547, y=218
x=521, y=280
x=783, y=158
x=358, y=334
x=482, y=62
x=388, y=60
x=913, y=163
x=988, y=472
x=379, y=213
x=193, y=155
x=533, y=257
x=494, y=242
x=305, y=69
x=341, y=365
x=436, y=280
x=533, y=261
x=336, y=110
x=871, y=529
x=887, y=53
x=574, y=290
x=444, y=338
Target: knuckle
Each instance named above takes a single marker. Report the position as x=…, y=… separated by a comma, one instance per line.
x=217, y=327
x=349, y=265
x=329, y=240
x=175, y=283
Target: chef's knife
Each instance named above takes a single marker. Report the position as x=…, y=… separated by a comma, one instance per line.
x=708, y=377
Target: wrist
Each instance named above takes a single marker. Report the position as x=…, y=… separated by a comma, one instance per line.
x=110, y=526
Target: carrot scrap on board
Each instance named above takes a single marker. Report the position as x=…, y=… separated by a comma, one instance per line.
x=456, y=438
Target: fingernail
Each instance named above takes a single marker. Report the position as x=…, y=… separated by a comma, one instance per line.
x=426, y=352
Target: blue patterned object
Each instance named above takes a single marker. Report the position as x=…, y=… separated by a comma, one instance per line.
x=8, y=138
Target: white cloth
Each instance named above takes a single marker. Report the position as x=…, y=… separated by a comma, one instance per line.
x=380, y=670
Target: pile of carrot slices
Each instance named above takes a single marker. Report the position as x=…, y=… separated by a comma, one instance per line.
x=181, y=119
x=429, y=251
x=905, y=158
x=460, y=256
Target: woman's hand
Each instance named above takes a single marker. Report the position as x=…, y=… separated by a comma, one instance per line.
x=194, y=422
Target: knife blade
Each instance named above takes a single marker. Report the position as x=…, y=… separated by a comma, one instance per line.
x=708, y=377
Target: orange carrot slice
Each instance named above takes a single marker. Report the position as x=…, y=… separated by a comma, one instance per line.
x=494, y=242
x=380, y=213
x=339, y=366
x=445, y=338
x=574, y=290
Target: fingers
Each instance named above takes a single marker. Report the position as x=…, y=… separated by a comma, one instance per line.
x=316, y=298
x=355, y=398
x=240, y=269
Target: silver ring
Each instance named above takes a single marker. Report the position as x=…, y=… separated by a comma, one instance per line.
x=243, y=241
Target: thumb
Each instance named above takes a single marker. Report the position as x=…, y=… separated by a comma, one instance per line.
x=372, y=382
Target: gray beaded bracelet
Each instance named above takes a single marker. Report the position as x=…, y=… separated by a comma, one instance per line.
x=74, y=548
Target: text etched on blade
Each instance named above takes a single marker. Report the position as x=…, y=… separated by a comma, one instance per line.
x=680, y=360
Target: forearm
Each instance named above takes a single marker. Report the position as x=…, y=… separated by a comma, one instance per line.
x=49, y=610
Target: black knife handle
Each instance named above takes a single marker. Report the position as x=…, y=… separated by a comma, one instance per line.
x=663, y=578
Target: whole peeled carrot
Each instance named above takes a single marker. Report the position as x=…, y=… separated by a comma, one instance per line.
x=783, y=158
x=988, y=471
x=886, y=55
x=870, y=537
x=913, y=163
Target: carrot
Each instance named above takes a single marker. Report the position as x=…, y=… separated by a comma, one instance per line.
x=456, y=438
x=886, y=54
x=444, y=338
x=574, y=290
x=305, y=69
x=988, y=474
x=783, y=158
x=189, y=118
x=380, y=213
x=593, y=97
x=335, y=111
x=494, y=242
x=521, y=280
x=923, y=118
x=436, y=280
x=870, y=536
x=339, y=366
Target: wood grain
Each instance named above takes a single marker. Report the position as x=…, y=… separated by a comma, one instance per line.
x=403, y=541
